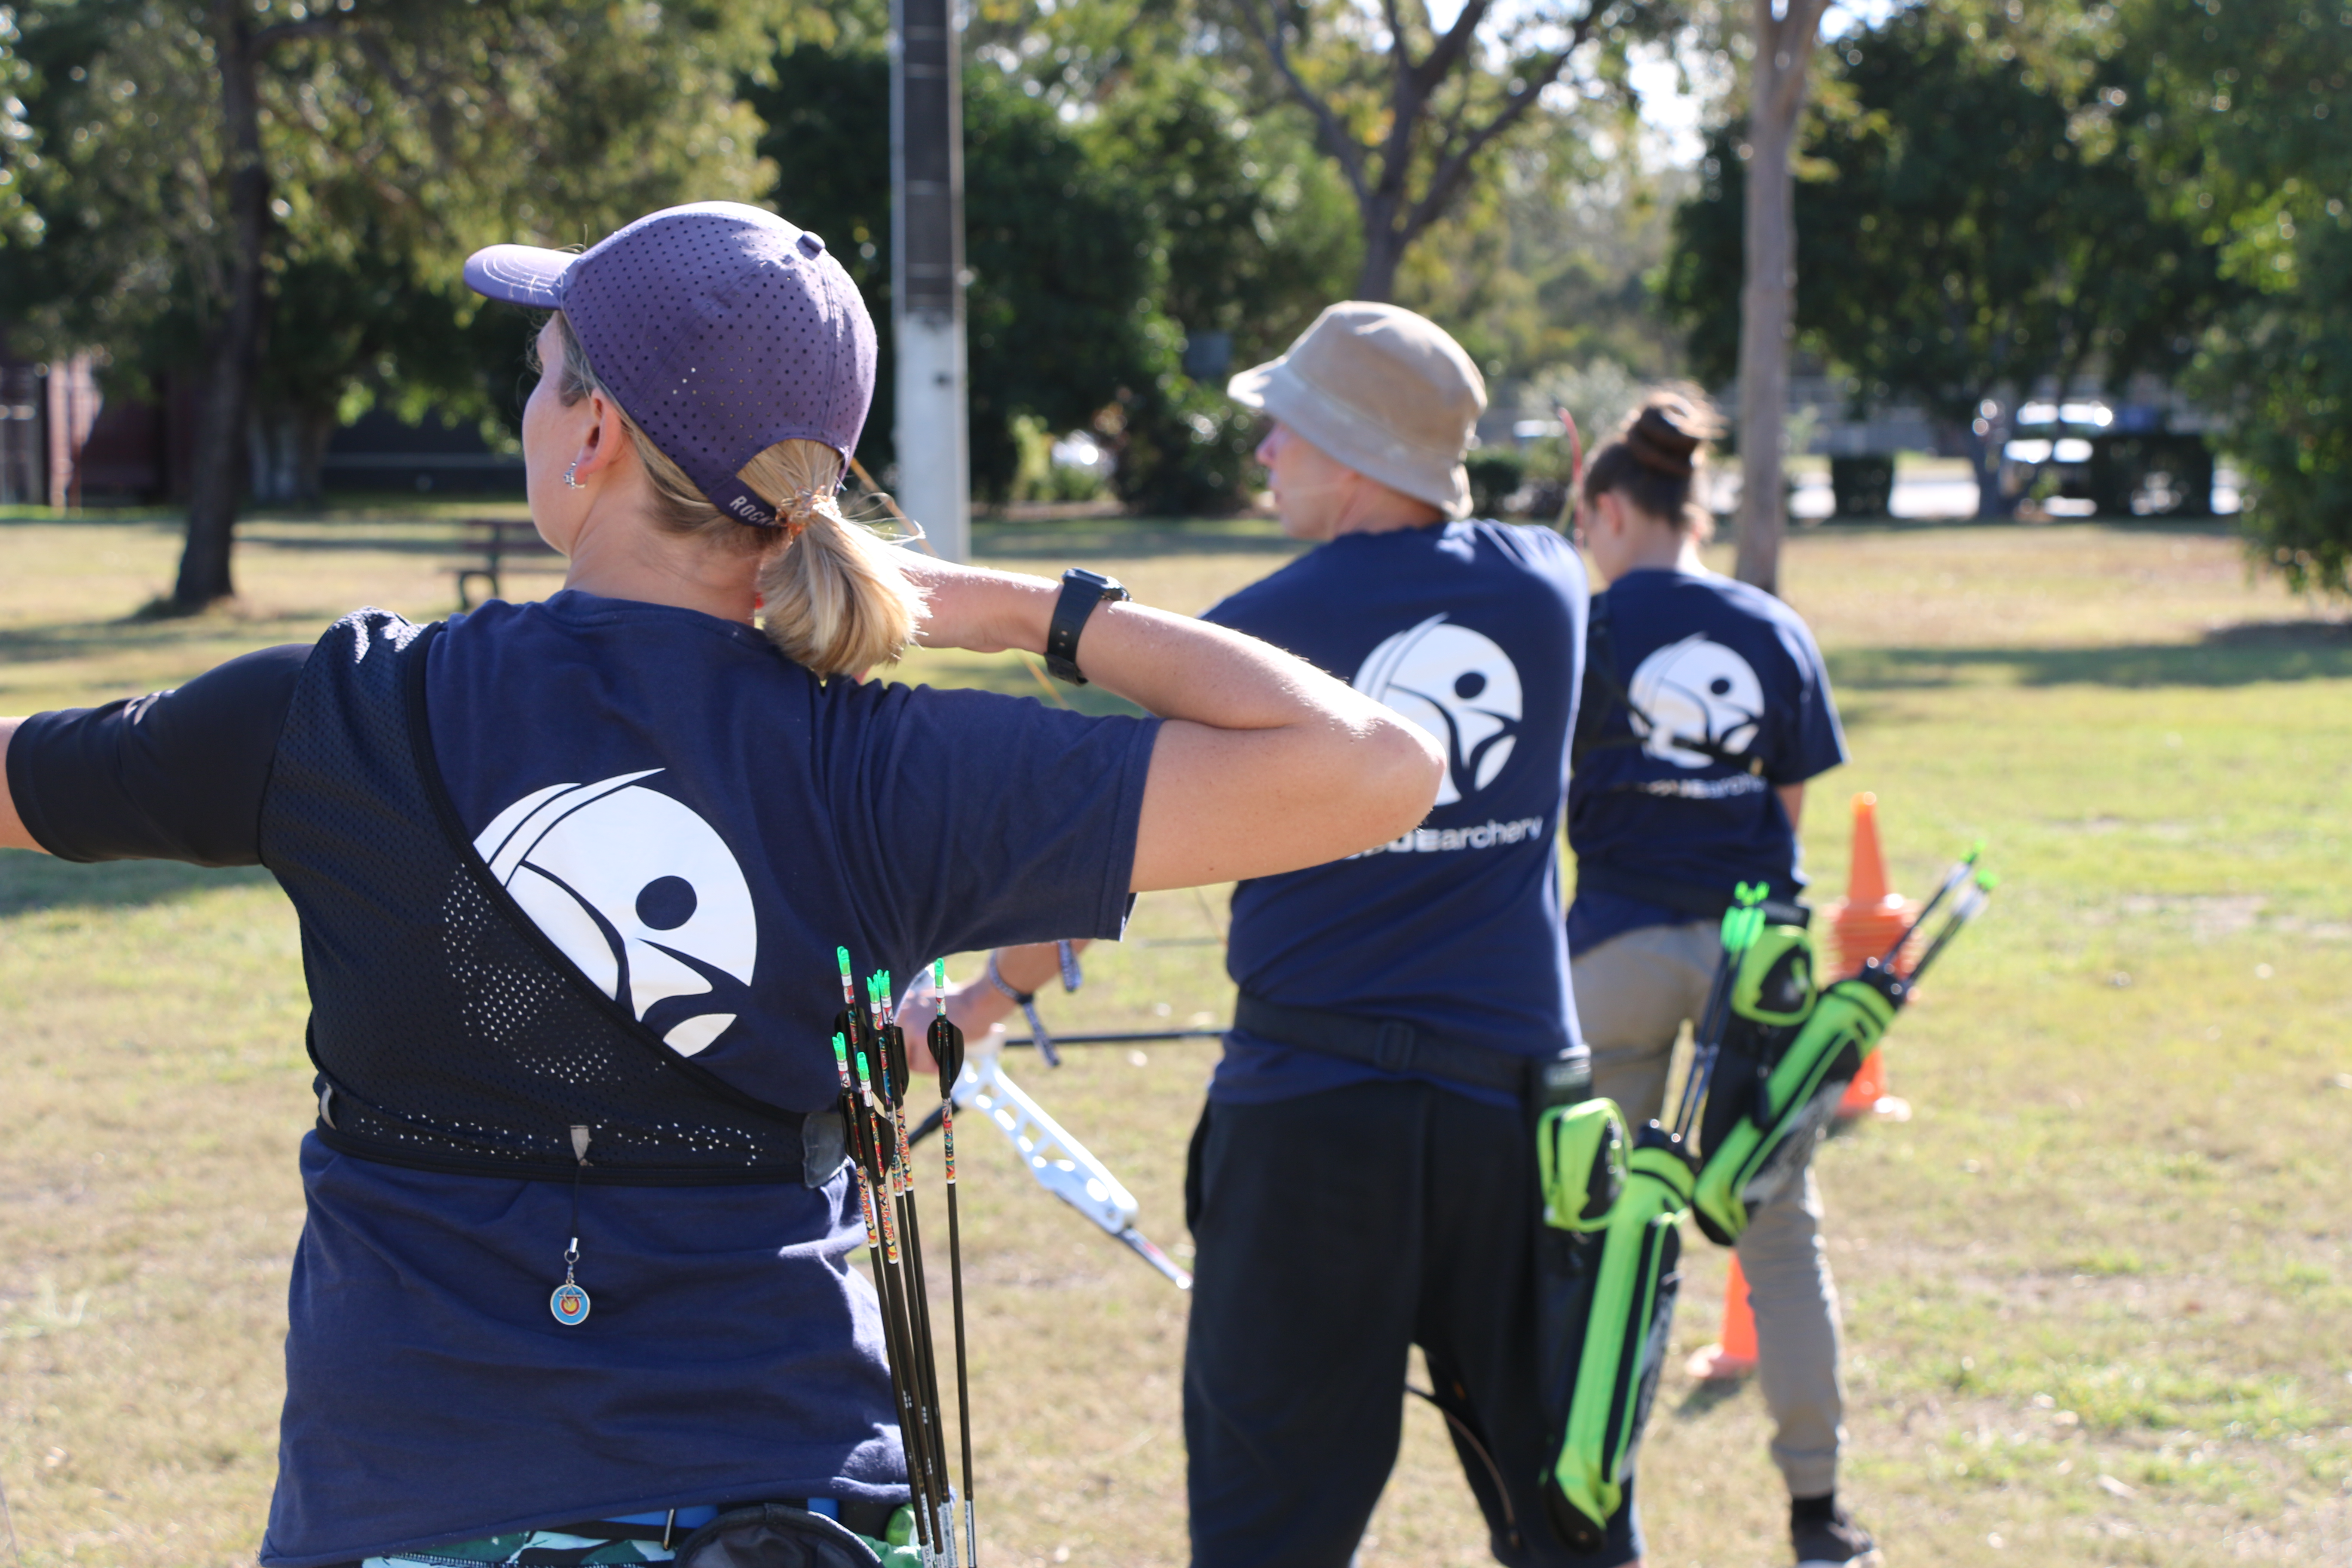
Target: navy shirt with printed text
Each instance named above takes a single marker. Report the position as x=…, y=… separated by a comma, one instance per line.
x=648, y=782
x=1679, y=656
x=1473, y=630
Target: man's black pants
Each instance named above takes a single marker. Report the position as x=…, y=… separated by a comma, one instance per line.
x=1335, y=1231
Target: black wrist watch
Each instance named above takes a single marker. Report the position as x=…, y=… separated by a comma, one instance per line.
x=1081, y=591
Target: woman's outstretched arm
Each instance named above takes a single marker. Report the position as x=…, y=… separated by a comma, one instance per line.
x=1265, y=764
x=12, y=826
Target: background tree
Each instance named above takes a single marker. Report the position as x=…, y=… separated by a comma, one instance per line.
x=1783, y=46
x=1971, y=226
x=193, y=161
x=1410, y=112
x=2245, y=133
x=1103, y=220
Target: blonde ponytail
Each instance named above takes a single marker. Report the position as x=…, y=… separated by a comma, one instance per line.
x=836, y=600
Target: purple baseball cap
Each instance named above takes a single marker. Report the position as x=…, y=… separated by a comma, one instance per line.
x=720, y=328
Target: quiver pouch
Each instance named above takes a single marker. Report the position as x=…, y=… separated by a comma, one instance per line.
x=1608, y=1302
x=1766, y=1112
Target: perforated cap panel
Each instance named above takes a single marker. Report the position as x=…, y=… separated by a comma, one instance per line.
x=721, y=327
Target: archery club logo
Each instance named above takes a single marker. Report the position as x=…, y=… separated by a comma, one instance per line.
x=1458, y=686
x=640, y=893
x=1695, y=689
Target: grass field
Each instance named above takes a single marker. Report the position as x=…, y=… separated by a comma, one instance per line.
x=2098, y=1292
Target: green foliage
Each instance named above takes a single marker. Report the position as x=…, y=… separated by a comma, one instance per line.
x=1969, y=221
x=1255, y=232
x=2247, y=138
x=1958, y=228
x=1417, y=116
x=1494, y=474
x=1094, y=243
x=397, y=137
x=1547, y=263
x=1183, y=449
x=1060, y=311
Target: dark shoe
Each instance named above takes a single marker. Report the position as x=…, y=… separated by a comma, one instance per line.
x=1831, y=1539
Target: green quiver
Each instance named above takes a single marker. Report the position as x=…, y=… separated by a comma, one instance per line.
x=1753, y=1153
x=1623, y=1342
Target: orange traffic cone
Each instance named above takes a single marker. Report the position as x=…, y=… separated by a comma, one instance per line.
x=1735, y=1356
x=1864, y=924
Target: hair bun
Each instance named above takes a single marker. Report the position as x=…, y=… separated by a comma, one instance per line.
x=1665, y=437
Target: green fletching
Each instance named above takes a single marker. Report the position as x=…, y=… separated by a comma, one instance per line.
x=1987, y=880
x=840, y=1049
x=865, y=1078
x=843, y=954
x=939, y=975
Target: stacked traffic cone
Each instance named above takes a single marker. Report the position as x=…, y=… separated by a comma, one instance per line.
x=1735, y=1356
x=1864, y=924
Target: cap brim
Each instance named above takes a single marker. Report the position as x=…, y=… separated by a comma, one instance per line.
x=520, y=274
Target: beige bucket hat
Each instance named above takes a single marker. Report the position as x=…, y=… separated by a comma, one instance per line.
x=1384, y=391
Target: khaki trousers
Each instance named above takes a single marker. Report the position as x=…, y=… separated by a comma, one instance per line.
x=1633, y=993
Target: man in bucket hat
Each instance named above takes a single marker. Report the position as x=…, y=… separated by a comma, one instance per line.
x=1362, y=1179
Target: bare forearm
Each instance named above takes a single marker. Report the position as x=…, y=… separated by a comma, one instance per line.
x=1266, y=764
x=12, y=827
x=1170, y=665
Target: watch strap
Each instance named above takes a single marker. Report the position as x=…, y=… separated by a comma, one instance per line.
x=1081, y=592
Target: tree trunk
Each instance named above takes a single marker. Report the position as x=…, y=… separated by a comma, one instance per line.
x=233, y=354
x=1776, y=100
x=1384, y=253
x=1984, y=459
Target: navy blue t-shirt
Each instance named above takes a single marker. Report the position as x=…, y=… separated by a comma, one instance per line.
x=678, y=776
x=1475, y=631
x=1679, y=656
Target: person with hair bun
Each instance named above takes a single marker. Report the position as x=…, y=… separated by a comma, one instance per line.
x=571, y=877
x=1705, y=709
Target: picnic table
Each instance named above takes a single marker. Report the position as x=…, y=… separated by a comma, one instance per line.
x=490, y=541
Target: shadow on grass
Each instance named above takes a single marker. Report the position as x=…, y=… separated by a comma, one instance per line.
x=30, y=882
x=2241, y=655
x=1705, y=1397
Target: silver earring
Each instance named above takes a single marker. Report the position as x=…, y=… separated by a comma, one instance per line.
x=568, y=479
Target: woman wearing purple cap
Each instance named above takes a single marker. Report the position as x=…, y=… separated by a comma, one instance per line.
x=570, y=875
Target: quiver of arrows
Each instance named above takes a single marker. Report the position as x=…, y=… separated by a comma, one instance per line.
x=1606, y=1281
x=1786, y=1058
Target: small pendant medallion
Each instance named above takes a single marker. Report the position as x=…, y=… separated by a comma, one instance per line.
x=570, y=1304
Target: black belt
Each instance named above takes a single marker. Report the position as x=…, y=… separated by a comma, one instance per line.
x=1685, y=898
x=1393, y=1045
x=855, y=1514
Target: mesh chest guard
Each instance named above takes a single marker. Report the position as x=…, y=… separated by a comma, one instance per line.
x=448, y=1032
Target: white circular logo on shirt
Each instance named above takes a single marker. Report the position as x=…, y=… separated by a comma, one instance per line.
x=1458, y=686
x=638, y=891
x=1695, y=690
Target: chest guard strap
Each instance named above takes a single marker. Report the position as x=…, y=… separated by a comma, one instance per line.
x=450, y=1033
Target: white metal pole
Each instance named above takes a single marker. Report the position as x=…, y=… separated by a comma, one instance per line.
x=931, y=424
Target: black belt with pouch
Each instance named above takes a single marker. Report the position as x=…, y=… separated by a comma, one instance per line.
x=1395, y=1045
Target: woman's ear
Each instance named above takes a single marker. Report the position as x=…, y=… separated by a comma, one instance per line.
x=603, y=441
